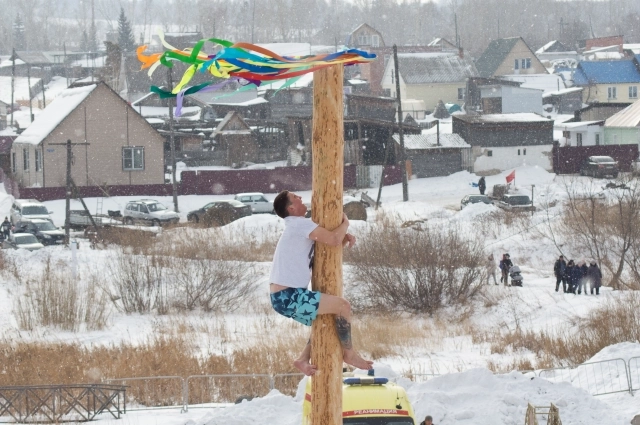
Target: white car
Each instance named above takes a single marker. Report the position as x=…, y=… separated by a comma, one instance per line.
x=28, y=209
x=256, y=201
x=23, y=241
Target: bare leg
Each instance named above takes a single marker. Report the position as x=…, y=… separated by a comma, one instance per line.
x=302, y=363
x=330, y=304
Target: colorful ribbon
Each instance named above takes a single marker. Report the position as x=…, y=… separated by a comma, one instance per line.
x=237, y=62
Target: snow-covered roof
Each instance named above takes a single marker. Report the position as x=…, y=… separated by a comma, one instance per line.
x=561, y=92
x=304, y=81
x=251, y=102
x=545, y=47
x=577, y=125
x=5, y=61
x=288, y=49
x=545, y=82
x=54, y=114
x=498, y=118
x=21, y=88
x=628, y=117
x=90, y=62
x=430, y=141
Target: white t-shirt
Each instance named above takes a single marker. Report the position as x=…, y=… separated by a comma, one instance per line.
x=294, y=253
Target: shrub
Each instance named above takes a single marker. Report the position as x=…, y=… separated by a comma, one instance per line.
x=54, y=299
x=417, y=270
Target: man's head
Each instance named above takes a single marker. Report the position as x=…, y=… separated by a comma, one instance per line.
x=562, y=257
x=428, y=420
x=289, y=204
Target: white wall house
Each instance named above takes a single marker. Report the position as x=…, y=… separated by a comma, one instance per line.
x=513, y=99
x=586, y=133
x=494, y=159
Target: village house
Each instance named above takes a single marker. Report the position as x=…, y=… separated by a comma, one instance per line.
x=121, y=146
x=430, y=77
x=585, y=133
x=554, y=51
x=433, y=155
x=612, y=81
x=503, y=141
x=507, y=56
x=623, y=128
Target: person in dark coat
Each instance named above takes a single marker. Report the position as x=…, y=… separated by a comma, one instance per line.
x=482, y=185
x=559, y=271
x=6, y=228
x=582, y=282
x=428, y=420
x=505, y=265
x=568, y=273
x=595, y=277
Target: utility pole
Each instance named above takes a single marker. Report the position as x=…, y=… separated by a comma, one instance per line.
x=403, y=158
x=174, y=186
x=67, y=205
x=29, y=91
x=44, y=99
x=13, y=78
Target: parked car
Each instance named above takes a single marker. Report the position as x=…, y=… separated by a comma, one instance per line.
x=219, y=213
x=257, y=201
x=148, y=211
x=43, y=230
x=599, y=166
x=516, y=203
x=28, y=209
x=79, y=219
x=23, y=241
x=474, y=199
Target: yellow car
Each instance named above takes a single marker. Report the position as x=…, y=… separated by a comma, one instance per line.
x=368, y=400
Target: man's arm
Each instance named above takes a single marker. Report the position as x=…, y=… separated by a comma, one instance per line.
x=332, y=237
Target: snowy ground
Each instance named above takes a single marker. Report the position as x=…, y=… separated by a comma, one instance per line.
x=467, y=393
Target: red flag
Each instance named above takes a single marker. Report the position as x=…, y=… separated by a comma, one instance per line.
x=511, y=177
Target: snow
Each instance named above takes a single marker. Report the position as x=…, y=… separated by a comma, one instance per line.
x=54, y=113
x=21, y=89
x=467, y=393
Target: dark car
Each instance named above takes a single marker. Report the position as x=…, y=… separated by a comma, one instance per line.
x=474, y=199
x=516, y=203
x=599, y=166
x=219, y=213
x=43, y=230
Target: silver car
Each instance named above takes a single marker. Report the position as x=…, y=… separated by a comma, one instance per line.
x=256, y=201
x=149, y=211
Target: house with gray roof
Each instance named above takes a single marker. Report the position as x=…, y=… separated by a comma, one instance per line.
x=430, y=77
x=623, y=128
x=433, y=155
x=507, y=56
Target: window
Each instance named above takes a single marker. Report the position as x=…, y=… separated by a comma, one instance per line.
x=615, y=139
x=375, y=40
x=25, y=159
x=578, y=139
x=392, y=77
x=526, y=63
x=524, y=151
x=612, y=92
x=597, y=140
x=518, y=151
x=386, y=60
x=133, y=158
x=461, y=93
x=38, y=160
x=387, y=92
x=516, y=64
x=14, y=167
x=363, y=40
x=489, y=153
x=633, y=92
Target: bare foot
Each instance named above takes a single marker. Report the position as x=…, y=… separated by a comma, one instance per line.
x=305, y=367
x=352, y=358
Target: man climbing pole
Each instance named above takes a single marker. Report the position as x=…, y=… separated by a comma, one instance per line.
x=291, y=274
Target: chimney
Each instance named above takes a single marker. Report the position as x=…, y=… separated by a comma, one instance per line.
x=461, y=52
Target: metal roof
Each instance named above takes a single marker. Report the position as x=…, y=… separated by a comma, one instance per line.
x=628, y=117
x=430, y=141
x=494, y=55
x=524, y=117
x=425, y=69
x=606, y=72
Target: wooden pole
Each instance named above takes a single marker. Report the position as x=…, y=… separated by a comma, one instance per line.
x=326, y=206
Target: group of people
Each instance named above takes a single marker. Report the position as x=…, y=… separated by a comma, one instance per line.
x=577, y=276
x=504, y=265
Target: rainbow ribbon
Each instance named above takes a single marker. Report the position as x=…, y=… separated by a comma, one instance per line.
x=241, y=62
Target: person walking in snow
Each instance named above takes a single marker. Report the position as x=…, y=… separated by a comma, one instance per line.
x=291, y=274
x=505, y=266
x=491, y=269
x=6, y=228
x=559, y=271
x=482, y=185
x=428, y=420
x=595, y=277
x=582, y=282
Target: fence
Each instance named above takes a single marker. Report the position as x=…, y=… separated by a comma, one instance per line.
x=567, y=159
x=60, y=403
x=597, y=378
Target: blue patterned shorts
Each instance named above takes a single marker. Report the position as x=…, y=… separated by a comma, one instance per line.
x=299, y=304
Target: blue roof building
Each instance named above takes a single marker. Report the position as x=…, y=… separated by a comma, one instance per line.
x=614, y=81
